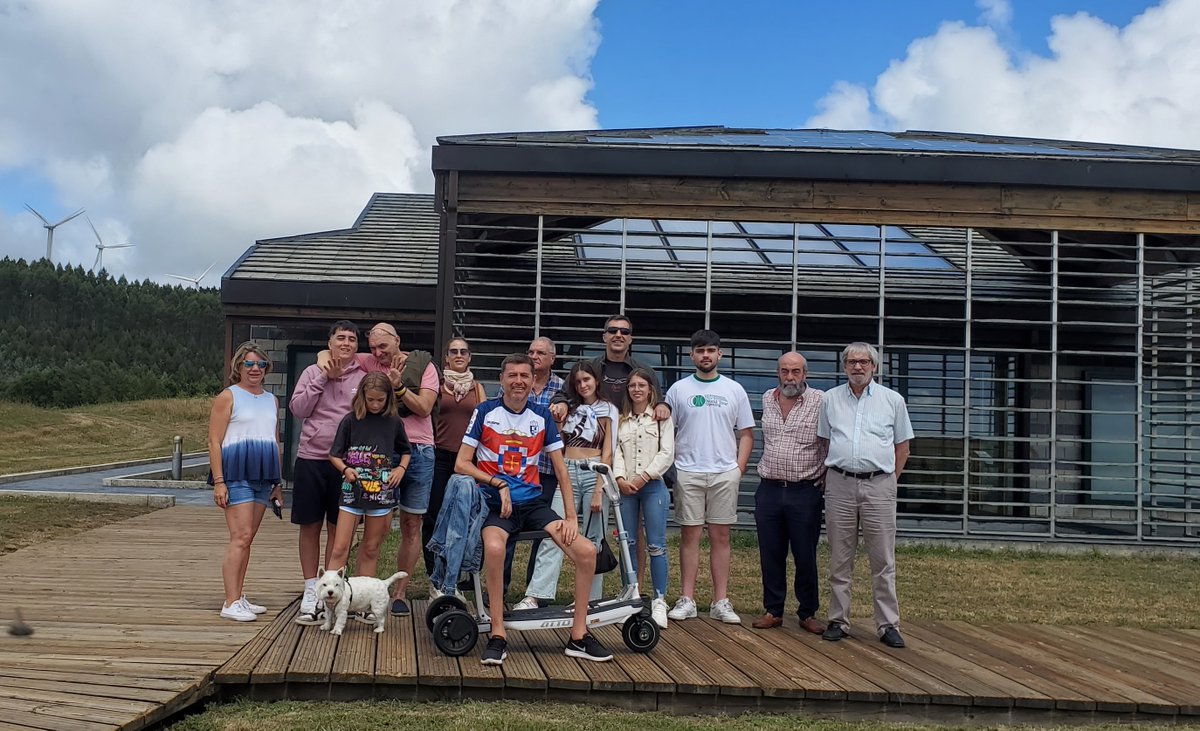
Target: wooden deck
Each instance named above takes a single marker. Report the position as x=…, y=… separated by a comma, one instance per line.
x=127, y=633
x=125, y=621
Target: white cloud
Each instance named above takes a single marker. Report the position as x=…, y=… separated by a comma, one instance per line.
x=995, y=13
x=1132, y=85
x=198, y=127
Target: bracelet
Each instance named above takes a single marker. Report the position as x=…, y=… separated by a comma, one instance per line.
x=402, y=467
x=219, y=481
x=401, y=391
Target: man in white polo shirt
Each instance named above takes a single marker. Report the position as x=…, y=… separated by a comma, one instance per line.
x=714, y=434
x=868, y=431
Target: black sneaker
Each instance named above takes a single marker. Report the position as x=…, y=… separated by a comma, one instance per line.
x=496, y=651
x=588, y=649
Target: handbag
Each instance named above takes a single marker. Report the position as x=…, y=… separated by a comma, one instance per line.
x=606, y=560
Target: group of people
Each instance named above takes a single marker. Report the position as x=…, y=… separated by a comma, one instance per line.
x=385, y=432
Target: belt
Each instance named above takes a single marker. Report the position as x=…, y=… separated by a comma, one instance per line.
x=789, y=483
x=859, y=475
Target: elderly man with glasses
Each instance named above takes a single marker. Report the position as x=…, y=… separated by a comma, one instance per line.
x=866, y=428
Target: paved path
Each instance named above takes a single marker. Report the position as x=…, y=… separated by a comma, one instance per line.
x=94, y=482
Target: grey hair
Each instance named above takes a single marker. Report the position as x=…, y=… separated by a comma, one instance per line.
x=547, y=341
x=860, y=347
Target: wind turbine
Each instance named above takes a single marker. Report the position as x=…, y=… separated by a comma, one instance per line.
x=101, y=246
x=194, y=280
x=50, y=227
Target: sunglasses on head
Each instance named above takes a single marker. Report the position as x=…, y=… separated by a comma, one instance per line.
x=622, y=330
x=252, y=363
x=459, y=351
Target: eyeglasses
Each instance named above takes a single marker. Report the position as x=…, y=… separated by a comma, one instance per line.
x=459, y=351
x=263, y=364
x=622, y=330
x=864, y=362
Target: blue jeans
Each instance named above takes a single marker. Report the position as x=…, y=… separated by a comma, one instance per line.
x=418, y=480
x=652, y=501
x=544, y=584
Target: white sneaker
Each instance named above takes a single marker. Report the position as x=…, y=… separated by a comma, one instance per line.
x=685, y=608
x=722, y=611
x=238, y=612
x=658, y=611
x=436, y=593
x=310, y=611
x=256, y=608
x=529, y=602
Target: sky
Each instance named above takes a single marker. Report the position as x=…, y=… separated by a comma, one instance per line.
x=193, y=128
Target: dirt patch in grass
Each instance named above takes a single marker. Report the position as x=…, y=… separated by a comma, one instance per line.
x=26, y=521
x=33, y=438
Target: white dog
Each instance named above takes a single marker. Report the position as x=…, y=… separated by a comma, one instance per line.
x=356, y=594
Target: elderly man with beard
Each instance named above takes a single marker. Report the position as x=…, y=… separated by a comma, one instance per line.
x=788, y=503
x=867, y=430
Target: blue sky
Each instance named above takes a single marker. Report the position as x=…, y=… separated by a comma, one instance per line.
x=768, y=63
x=194, y=128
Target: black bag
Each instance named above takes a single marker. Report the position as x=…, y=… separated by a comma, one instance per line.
x=606, y=560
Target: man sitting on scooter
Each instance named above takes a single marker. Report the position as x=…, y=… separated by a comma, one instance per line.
x=504, y=439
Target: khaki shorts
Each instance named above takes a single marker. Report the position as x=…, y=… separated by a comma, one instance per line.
x=707, y=497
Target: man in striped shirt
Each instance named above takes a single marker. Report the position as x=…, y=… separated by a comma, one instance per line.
x=788, y=503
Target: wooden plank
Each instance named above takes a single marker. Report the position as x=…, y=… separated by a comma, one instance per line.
x=108, y=710
x=682, y=670
x=936, y=690
x=645, y=674
x=477, y=675
x=521, y=669
x=85, y=689
x=36, y=716
x=1151, y=645
x=313, y=659
x=396, y=653
x=433, y=668
x=1084, y=203
x=1107, y=686
x=561, y=671
x=604, y=676
x=355, y=658
x=1157, y=681
x=729, y=679
x=810, y=651
x=774, y=671
x=273, y=666
x=83, y=676
x=1068, y=693
x=237, y=669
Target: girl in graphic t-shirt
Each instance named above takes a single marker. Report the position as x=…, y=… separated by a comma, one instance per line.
x=587, y=434
x=365, y=449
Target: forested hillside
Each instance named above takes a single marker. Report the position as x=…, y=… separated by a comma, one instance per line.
x=71, y=337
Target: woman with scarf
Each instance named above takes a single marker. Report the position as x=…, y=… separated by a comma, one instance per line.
x=459, y=395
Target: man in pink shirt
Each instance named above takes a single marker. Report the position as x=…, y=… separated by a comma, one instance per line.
x=321, y=398
x=416, y=400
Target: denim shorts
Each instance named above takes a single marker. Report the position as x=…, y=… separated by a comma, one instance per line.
x=241, y=493
x=372, y=513
x=418, y=480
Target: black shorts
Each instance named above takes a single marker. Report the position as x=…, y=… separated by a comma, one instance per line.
x=533, y=515
x=316, y=492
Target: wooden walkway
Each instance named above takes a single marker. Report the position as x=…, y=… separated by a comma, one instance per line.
x=127, y=633
x=125, y=621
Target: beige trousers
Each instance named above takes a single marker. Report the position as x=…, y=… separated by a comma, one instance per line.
x=871, y=503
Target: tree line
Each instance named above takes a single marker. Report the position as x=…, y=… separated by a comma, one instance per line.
x=70, y=337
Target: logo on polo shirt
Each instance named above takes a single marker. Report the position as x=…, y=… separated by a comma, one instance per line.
x=714, y=400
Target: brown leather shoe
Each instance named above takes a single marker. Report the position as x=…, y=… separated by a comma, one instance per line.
x=767, y=621
x=812, y=624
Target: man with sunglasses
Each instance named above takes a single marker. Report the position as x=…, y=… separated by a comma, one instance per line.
x=866, y=429
x=615, y=366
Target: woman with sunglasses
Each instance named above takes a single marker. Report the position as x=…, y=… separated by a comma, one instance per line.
x=244, y=456
x=459, y=395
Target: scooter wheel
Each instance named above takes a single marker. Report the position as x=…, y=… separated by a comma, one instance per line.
x=455, y=633
x=440, y=606
x=640, y=634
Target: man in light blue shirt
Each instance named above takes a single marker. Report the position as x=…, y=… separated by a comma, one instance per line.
x=867, y=429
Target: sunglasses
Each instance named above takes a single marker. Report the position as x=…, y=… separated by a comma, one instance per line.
x=459, y=351
x=622, y=330
x=263, y=364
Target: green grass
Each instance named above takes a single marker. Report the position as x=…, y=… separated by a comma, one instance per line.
x=514, y=716
x=33, y=438
x=27, y=521
x=949, y=584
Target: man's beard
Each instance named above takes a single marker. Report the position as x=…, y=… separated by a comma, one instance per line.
x=791, y=390
x=707, y=370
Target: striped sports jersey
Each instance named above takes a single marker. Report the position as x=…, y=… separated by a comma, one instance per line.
x=508, y=442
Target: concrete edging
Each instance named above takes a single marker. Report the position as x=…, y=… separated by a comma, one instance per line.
x=154, y=501
x=22, y=476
